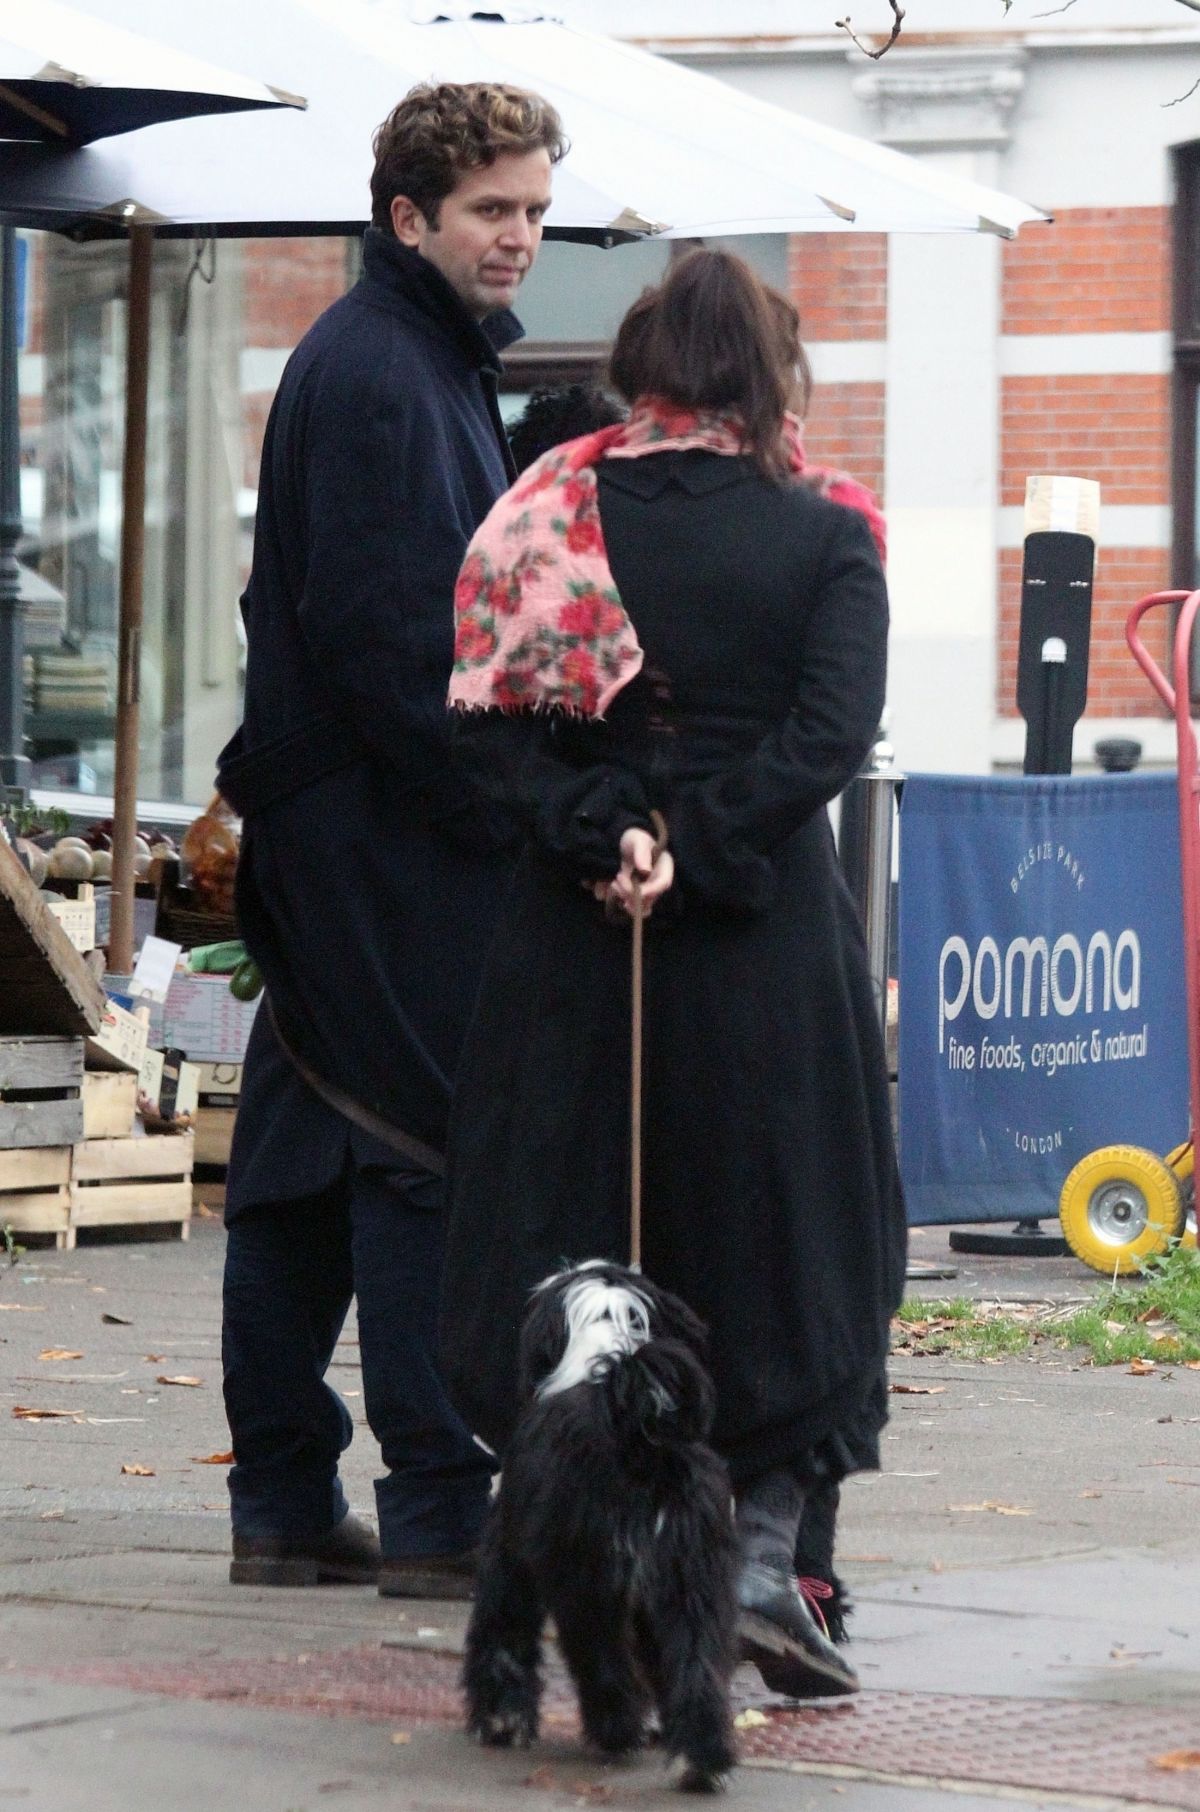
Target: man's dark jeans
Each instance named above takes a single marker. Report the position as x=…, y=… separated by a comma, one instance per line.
x=291, y=1269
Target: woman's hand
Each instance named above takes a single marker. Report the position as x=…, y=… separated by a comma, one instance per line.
x=643, y=861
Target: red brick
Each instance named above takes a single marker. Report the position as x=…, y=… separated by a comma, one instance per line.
x=839, y=284
x=1095, y=270
x=1113, y=429
x=845, y=428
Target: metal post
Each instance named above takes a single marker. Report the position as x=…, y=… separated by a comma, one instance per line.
x=865, y=853
x=129, y=634
x=14, y=765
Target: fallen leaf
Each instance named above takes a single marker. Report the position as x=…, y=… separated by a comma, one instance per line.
x=154, y=1358
x=541, y=1777
x=1192, y=1365
x=59, y=1352
x=401, y=1736
x=1091, y=1494
x=211, y=1459
x=1141, y=1368
x=1177, y=1761
x=116, y=1321
x=916, y=1390
x=995, y=1508
x=193, y=1382
x=24, y=1413
x=25, y=1308
x=204, y=1211
x=1114, y=1327
x=750, y=1719
x=1153, y=1313
x=591, y=1793
x=136, y=1471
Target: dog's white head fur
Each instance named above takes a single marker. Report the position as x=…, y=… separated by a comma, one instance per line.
x=603, y=1321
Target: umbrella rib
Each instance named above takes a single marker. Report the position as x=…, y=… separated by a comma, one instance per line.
x=19, y=104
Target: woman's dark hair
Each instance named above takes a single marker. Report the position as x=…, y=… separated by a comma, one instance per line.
x=713, y=335
x=555, y=414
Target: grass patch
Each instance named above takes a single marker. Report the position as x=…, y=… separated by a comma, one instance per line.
x=1155, y=1316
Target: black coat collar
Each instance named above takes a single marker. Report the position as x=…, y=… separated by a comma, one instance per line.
x=394, y=272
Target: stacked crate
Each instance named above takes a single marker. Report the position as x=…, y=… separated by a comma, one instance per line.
x=69, y=1067
x=41, y=1118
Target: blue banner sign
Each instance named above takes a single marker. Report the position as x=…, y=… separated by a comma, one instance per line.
x=1042, y=999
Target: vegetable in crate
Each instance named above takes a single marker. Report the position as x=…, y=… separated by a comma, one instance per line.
x=210, y=853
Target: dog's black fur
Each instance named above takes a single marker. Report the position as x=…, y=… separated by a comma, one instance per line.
x=613, y=1517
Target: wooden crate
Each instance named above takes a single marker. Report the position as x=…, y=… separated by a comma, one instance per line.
x=35, y=1192
x=214, y=1135
x=109, y=1104
x=45, y=985
x=40, y=1081
x=126, y=1182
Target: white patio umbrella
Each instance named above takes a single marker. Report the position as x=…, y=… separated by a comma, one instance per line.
x=654, y=146
x=68, y=78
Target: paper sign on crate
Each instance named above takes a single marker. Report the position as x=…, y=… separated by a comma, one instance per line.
x=120, y=1043
x=202, y=1018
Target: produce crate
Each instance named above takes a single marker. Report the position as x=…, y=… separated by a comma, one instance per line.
x=40, y=1082
x=127, y=1182
x=182, y=917
x=109, y=1104
x=35, y=1194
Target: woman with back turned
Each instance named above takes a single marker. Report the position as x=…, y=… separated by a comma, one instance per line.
x=671, y=616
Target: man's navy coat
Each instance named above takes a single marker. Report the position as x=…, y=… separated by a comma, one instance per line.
x=368, y=882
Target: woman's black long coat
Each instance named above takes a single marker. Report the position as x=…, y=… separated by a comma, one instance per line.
x=771, y=1199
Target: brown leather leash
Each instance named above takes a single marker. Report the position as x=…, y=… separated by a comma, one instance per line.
x=635, y=1053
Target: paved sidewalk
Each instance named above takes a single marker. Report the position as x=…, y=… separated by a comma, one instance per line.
x=1026, y=1571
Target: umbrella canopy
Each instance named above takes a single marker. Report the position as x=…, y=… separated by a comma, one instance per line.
x=68, y=78
x=654, y=146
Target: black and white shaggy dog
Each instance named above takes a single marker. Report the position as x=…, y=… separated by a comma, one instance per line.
x=613, y=1517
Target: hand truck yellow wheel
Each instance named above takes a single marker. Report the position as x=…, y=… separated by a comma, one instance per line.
x=1119, y=1206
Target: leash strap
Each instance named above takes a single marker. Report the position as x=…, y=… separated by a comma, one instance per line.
x=415, y=1150
x=635, y=1054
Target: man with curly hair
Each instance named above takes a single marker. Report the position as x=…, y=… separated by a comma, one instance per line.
x=368, y=880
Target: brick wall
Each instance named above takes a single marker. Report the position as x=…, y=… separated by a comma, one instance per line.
x=845, y=429
x=1115, y=429
x=287, y=282
x=1096, y=270
x=839, y=284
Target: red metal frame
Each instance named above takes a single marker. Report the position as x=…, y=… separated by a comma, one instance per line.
x=1177, y=699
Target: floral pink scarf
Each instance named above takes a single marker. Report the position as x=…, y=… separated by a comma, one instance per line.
x=540, y=624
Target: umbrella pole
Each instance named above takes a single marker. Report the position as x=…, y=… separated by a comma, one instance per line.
x=129, y=633
x=14, y=767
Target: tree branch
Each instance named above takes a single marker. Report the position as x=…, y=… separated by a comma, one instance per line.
x=1193, y=6
x=897, y=22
